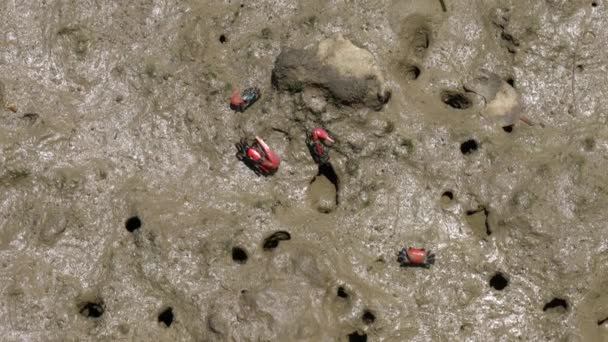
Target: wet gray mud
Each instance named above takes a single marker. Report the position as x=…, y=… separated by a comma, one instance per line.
x=125, y=216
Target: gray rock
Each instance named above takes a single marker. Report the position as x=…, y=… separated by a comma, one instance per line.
x=346, y=73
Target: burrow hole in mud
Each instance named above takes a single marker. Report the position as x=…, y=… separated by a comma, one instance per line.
x=166, y=317
x=133, y=223
x=498, y=281
x=469, y=146
x=508, y=128
x=580, y=68
x=511, y=81
x=272, y=241
x=556, y=303
x=455, y=99
x=223, y=39
x=368, y=317
x=239, y=255
x=327, y=170
x=446, y=198
x=479, y=222
x=412, y=72
x=92, y=309
x=355, y=337
x=602, y=321
x=342, y=292
x=594, y=4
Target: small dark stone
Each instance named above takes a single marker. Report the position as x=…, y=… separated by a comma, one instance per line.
x=273, y=240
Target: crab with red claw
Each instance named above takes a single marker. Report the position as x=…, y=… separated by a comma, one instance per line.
x=241, y=102
x=318, y=142
x=415, y=257
x=258, y=157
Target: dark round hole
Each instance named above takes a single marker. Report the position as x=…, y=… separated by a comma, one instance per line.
x=355, y=337
x=455, y=100
x=133, y=223
x=511, y=82
x=166, y=317
x=242, y=5
x=92, y=310
x=342, y=292
x=468, y=146
x=412, y=72
x=273, y=240
x=508, y=129
x=239, y=255
x=498, y=281
x=222, y=39
x=594, y=4
x=448, y=195
x=368, y=317
x=580, y=68
x=556, y=303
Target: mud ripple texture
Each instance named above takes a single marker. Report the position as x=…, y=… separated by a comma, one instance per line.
x=119, y=109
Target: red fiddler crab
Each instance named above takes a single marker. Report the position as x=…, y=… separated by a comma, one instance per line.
x=241, y=102
x=258, y=157
x=415, y=257
x=318, y=142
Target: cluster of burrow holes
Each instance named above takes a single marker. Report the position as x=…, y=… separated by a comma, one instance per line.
x=498, y=281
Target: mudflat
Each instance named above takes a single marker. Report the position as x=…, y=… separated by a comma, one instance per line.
x=473, y=129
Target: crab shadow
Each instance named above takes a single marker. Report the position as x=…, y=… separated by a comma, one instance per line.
x=327, y=170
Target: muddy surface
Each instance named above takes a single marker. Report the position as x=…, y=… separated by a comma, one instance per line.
x=125, y=216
